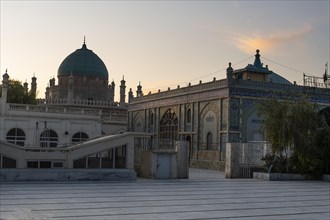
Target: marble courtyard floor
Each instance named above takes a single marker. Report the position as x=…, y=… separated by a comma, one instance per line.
x=206, y=195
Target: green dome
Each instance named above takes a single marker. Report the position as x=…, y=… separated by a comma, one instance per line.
x=83, y=62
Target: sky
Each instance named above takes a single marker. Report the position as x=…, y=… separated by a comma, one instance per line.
x=163, y=44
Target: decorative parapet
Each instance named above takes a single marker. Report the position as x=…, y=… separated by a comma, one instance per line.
x=53, y=109
x=183, y=91
x=116, y=115
x=80, y=102
x=269, y=86
x=281, y=91
x=241, y=88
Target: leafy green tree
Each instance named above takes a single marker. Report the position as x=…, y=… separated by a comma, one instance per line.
x=303, y=127
x=17, y=94
x=276, y=123
x=292, y=126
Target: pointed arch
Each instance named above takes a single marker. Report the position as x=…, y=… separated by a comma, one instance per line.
x=138, y=122
x=188, y=115
x=209, y=137
x=169, y=126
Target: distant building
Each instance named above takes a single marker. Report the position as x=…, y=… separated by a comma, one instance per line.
x=82, y=78
x=211, y=114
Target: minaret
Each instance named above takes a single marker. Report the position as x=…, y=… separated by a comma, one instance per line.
x=229, y=74
x=26, y=89
x=52, y=82
x=139, y=90
x=122, y=93
x=70, y=89
x=5, y=81
x=47, y=94
x=34, y=86
x=130, y=95
x=112, y=91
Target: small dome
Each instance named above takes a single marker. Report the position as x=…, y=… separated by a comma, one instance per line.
x=275, y=78
x=83, y=62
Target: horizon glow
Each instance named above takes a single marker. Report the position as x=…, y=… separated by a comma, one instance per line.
x=164, y=44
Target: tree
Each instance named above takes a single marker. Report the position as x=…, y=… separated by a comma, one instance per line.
x=17, y=94
x=323, y=147
x=276, y=123
x=292, y=127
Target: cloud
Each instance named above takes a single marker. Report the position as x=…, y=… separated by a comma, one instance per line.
x=249, y=43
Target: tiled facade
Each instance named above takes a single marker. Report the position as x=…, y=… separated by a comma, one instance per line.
x=221, y=111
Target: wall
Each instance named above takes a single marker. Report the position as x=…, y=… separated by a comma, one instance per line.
x=225, y=108
x=16, y=175
x=69, y=154
x=244, y=158
x=33, y=120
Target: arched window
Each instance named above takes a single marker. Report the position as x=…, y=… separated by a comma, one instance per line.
x=209, y=141
x=16, y=136
x=189, y=115
x=48, y=138
x=79, y=137
x=168, y=128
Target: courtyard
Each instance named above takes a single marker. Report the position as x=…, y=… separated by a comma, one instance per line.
x=205, y=195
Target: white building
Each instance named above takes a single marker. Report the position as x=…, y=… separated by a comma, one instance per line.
x=77, y=125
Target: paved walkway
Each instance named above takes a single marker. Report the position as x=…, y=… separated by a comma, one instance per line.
x=206, y=195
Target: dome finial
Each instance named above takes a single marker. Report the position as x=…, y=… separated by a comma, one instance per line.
x=84, y=44
x=257, y=61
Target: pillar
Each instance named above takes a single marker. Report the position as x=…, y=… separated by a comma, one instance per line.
x=34, y=86
x=139, y=90
x=130, y=95
x=122, y=93
x=5, y=82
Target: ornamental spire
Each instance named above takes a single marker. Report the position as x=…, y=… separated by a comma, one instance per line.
x=84, y=44
x=257, y=62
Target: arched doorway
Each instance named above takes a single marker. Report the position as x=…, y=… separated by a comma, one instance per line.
x=168, y=129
